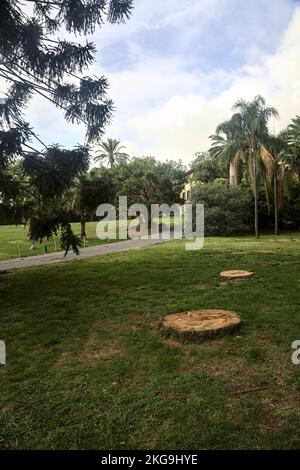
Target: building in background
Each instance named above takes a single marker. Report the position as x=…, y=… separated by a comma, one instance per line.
x=186, y=192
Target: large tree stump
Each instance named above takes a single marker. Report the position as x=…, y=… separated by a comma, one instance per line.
x=235, y=275
x=201, y=324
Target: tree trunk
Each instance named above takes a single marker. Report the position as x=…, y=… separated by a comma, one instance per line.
x=275, y=202
x=82, y=226
x=232, y=175
x=111, y=160
x=255, y=194
x=29, y=236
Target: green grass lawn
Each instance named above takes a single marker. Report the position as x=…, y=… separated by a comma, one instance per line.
x=89, y=367
x=12, y=235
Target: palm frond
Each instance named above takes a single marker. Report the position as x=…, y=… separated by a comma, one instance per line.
x=268, y=161
x=266, y=190
x=251, y=172
x=239, y=156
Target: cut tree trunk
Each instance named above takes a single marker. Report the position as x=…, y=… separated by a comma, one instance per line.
x=200, y=324
x=236, y=275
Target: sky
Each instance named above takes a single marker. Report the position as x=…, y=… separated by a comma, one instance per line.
x=178, y=66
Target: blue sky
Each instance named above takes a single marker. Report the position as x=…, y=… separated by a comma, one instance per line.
x=177, y=67
x=223, y=39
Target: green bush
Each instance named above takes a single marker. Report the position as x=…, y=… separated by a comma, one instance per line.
x=228, y=211
x=290, y=211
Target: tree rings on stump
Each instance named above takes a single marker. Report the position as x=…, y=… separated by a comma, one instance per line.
x=235, y=275
x=200, y=324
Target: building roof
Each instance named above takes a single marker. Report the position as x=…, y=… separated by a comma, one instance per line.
x=189, y=172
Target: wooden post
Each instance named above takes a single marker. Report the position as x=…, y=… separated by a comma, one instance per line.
x=20, y=250
x=45, y=249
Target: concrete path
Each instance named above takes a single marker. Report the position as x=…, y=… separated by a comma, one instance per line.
x=51, y=258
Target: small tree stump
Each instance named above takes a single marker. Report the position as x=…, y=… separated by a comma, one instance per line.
x=236, y=275
x=201, y=324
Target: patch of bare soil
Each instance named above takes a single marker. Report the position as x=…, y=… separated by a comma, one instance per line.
x=204, y=286
x=104, y=352
x=96, y=347
x=173, y=342
x=63, y=360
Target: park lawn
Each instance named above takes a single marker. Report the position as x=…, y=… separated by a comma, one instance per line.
x=12, y=235
x=88, y=365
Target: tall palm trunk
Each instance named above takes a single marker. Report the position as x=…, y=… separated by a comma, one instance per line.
x=275, y=202
x=111, y=160
x=254, y=158
x=232, y=176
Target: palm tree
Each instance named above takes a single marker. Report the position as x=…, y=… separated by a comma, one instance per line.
x=227, y=146
x=255, y=116
x=111, y=152
x=283, y=148
x=276, y=146
x=88, y=191
x=294, y=132
x=293, y=143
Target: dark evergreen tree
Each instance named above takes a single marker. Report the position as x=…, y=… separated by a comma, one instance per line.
x=34, y=60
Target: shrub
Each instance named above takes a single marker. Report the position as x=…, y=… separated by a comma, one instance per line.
x=290, y=211
x=228, y=211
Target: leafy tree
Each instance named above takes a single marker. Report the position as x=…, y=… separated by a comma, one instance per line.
x=35, y=61
x=206, y=169
x=90, y=191
x=111, y=151
x=148, y=181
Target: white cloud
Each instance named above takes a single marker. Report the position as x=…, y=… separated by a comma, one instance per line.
x=168, y=103
x=180, y=125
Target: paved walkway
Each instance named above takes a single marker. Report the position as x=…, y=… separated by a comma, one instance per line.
x=51, y=258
